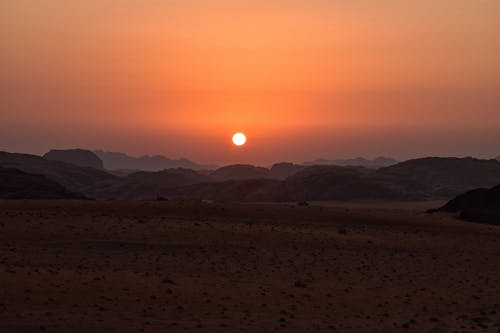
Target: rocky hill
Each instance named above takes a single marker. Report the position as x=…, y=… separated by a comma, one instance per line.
x=121, y=161
x=419, y=179
x=342, y=183
x=284, y=170
x=80, y=157
x=246, y=190
x=239, y=172
x=149, y=184
x=376, y=163
x=17, y=184
x=441, y=177
x=73, y=177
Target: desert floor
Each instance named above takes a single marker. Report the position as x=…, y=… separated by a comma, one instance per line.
x=85, y=266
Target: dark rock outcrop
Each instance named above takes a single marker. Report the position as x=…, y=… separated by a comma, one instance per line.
x=478, y=205
x=80, y=157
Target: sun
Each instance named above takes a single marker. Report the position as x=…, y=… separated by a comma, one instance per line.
x=239, y=139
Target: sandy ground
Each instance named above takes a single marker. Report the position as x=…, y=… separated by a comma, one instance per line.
x=183, y=267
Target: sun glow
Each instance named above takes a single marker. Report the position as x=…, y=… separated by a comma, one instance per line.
x=239, y=139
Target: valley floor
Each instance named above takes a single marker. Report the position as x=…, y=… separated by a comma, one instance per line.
x=95, y=266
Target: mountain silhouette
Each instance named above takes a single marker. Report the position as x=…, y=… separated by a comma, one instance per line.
x=148, y=184
x=329, y=182
x=246, y=190
x=376, y=163
x=239, y=172
x=80, y=157
x=73, y=177
x=121, y=161
x=283, y=170
x=441, y=177
x=418, y=179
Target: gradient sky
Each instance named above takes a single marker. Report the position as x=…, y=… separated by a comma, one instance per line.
x=303, y=79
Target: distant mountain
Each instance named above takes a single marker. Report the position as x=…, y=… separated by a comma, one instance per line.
x=247, y=171
x=239, y=172
x=419, y=179
x=441, y=177
x=379, y=162
x=149, y=184
x=284, y=170
x=310, y=183
x=121, y=161
x=239, y=182
x=169, y=177
x=231, y=183
x=73, y=177
x=245, y=190
x=17, y=184
x=95, y=183
x=479, y=205
x=80, y=157
x=330, y=182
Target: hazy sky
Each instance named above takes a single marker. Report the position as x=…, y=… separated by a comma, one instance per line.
x=303, y=79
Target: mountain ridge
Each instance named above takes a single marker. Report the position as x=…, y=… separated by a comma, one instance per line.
x=80, y=157
x=418, y=179
x=378, y=162
x=121, y=161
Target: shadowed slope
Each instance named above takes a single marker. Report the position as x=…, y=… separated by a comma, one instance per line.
x=149, y=184
x=73, y=177
x=246, y=190
x=441, y=177
x=17, y=184
x=341, y=183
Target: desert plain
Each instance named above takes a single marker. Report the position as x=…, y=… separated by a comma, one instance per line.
x=150, y=266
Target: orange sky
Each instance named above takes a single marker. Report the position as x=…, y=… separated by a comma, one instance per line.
x=303, y=79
